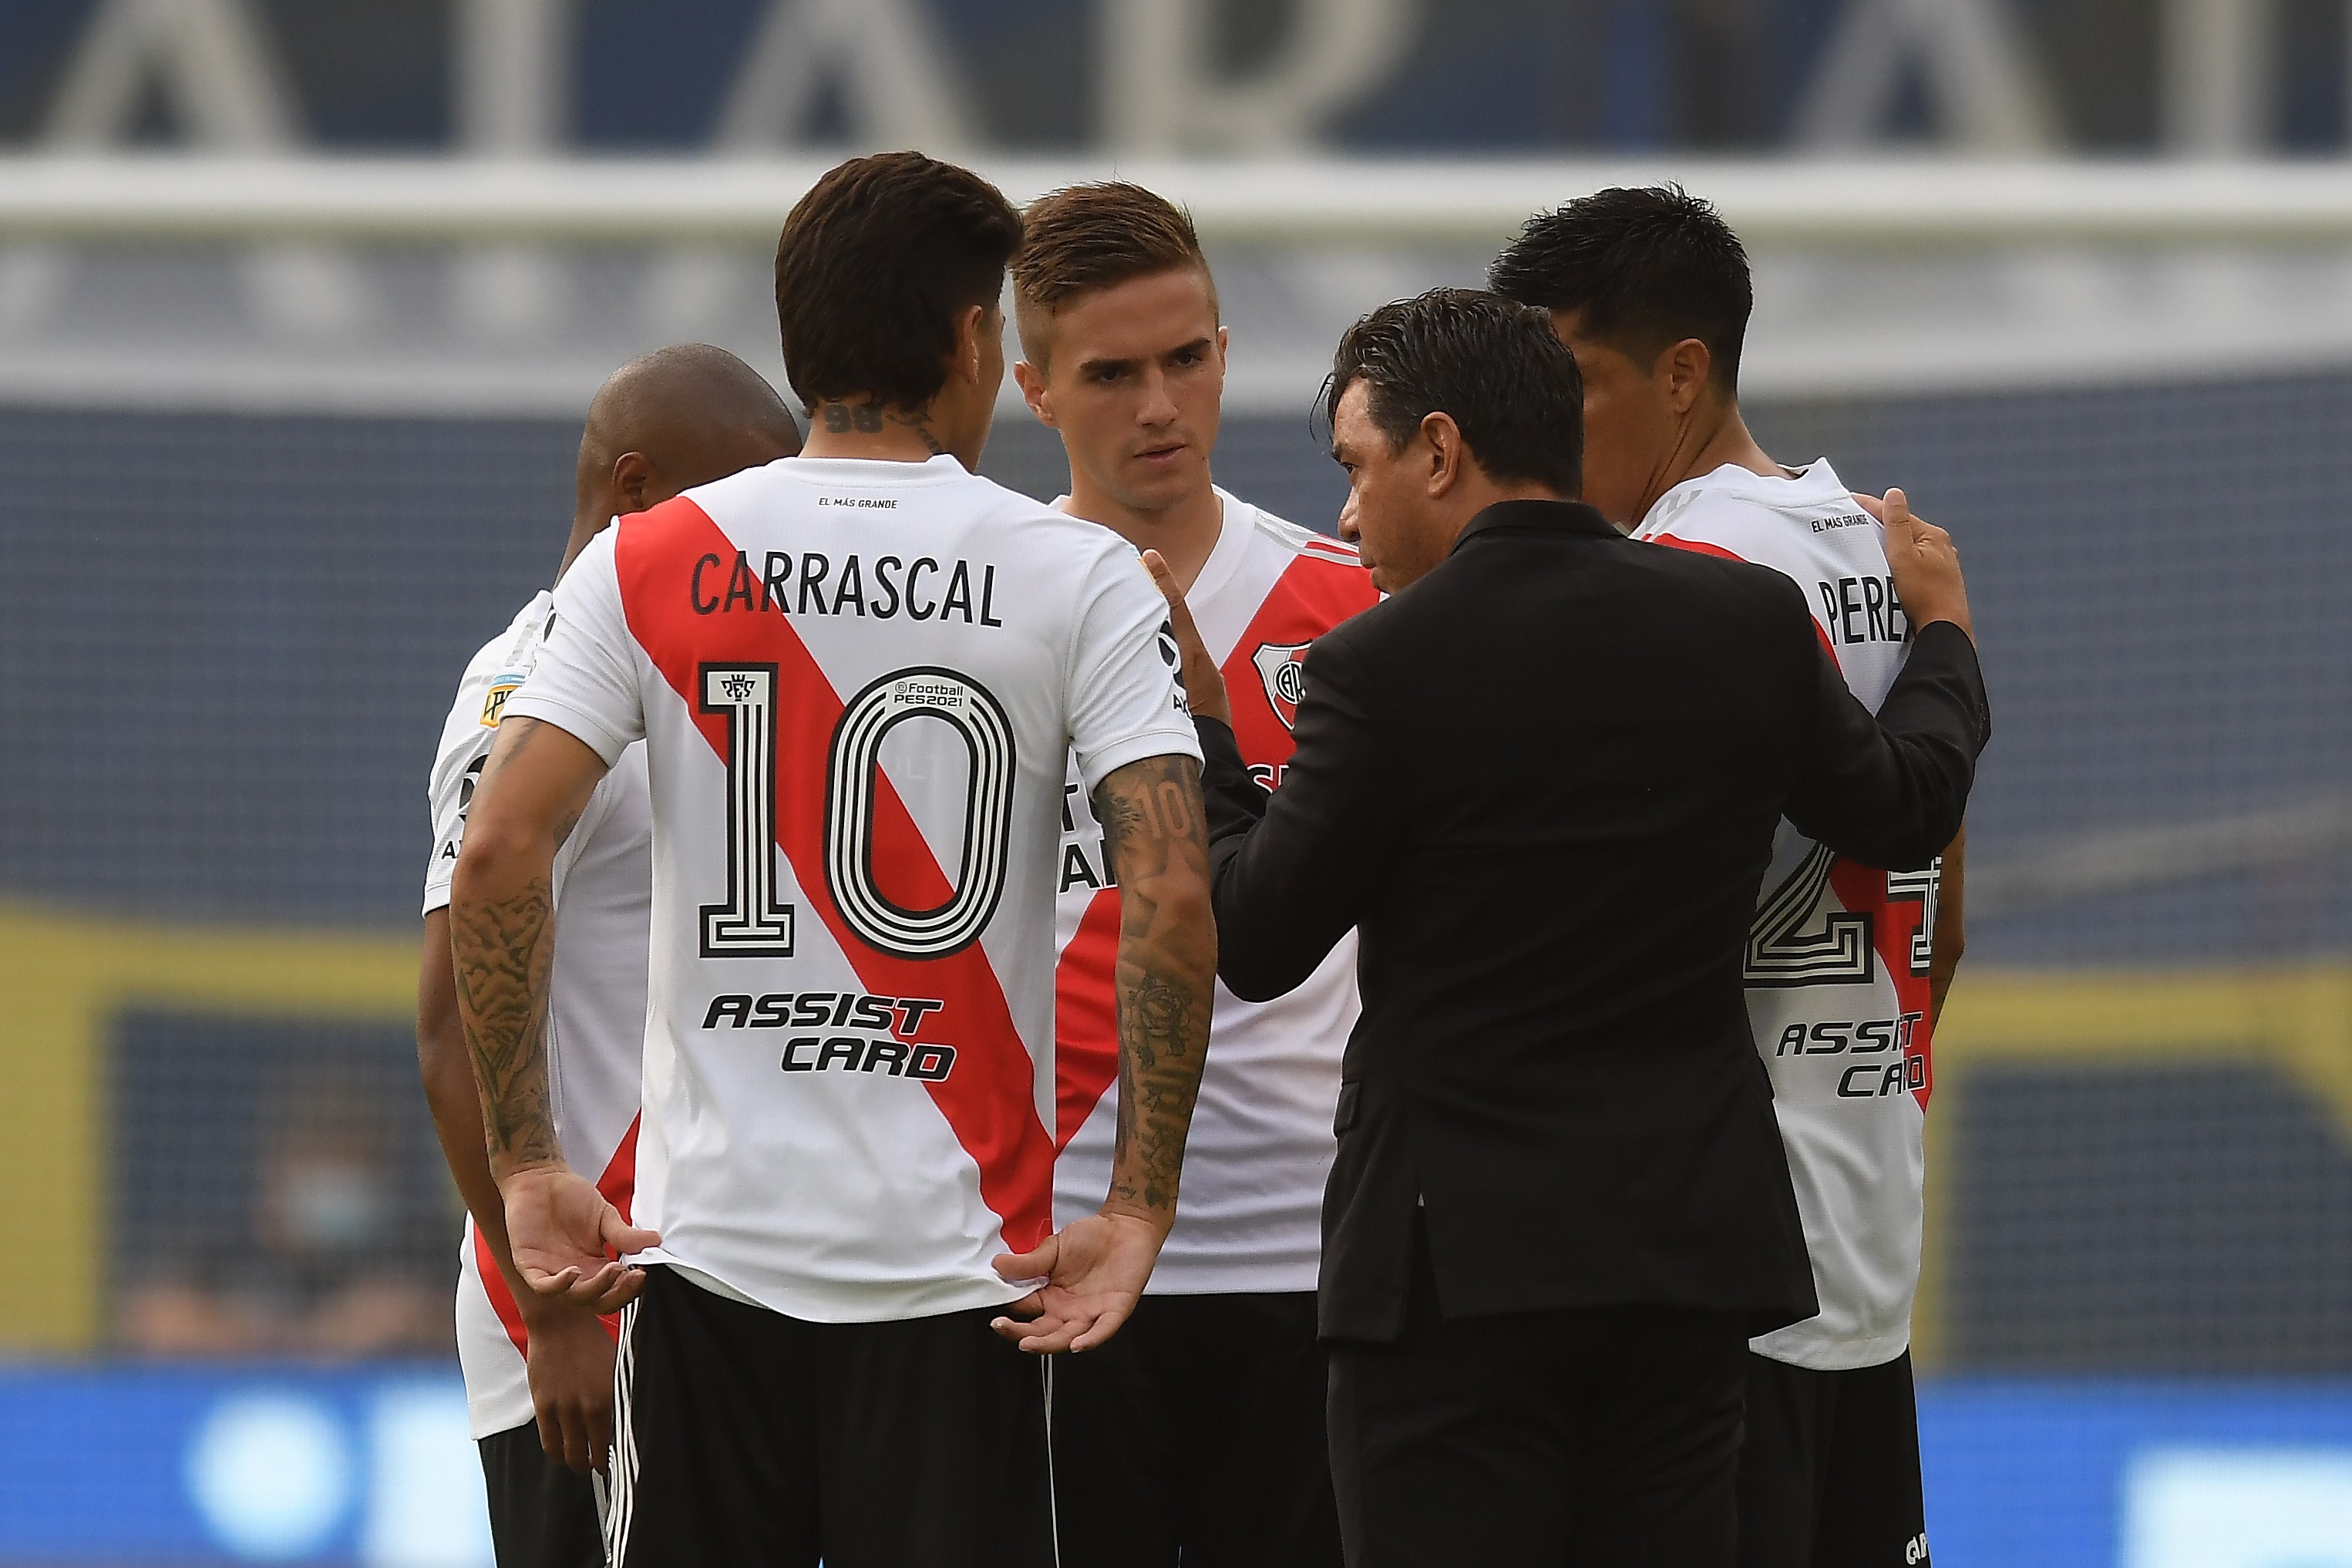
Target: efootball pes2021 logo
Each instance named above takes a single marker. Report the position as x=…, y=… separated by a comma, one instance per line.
x=1283, y=668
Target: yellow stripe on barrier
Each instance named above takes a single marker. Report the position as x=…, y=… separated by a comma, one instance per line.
x=63, y=977
x=2297, y=1019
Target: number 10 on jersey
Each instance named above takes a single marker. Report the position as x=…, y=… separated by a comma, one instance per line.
x=754, y=922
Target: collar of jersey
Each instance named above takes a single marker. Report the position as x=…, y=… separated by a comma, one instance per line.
x=1815, y=481
x=941, y=469
x=1225, y=555
x=1236, y=520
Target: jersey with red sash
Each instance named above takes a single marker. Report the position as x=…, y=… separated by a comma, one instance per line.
x=1261, y=1143
x=858, y=684
x=1837, y=959
x=596, y=992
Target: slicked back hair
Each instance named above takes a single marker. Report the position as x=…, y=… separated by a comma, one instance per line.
x=1647, y=265
x=875, y=264
x=1082, y=239
x=1495, y=365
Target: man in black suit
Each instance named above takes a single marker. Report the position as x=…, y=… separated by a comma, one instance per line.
x=1542, y=781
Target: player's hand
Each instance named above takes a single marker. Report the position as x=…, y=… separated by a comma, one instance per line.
x=1925, y=566
x=568, y=1241
x=1094, y=1269
x=571, y=1370
x=1204, y=683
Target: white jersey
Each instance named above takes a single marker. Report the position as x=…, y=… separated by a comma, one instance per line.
x=1837, y=959
x=859, y=683
x=1261, y=1144
x=596, y=993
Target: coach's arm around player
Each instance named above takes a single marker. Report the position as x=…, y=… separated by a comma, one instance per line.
x=1542, y=780
x=1949, y=941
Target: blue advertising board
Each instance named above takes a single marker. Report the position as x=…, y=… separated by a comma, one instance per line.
x=269, y=1464
x=373, y=1468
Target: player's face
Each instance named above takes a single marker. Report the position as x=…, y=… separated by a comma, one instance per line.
x=1136, y=379
x=1390, y=516
x=1629, y=424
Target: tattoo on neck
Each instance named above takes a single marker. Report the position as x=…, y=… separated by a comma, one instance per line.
x=868, y=418
x=920, y=423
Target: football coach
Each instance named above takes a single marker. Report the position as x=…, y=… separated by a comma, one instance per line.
x=1542, y=781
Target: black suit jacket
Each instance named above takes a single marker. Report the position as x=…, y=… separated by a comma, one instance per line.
x=1543, y=782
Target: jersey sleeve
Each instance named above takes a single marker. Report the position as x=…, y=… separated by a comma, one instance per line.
x=1121, y=691
x=465, y=747
x=587, y=681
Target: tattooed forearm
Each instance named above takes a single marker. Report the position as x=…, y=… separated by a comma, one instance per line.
x=1155, y=832
x=502, y=948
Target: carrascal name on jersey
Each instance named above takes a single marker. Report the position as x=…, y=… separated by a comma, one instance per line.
x=922, y=588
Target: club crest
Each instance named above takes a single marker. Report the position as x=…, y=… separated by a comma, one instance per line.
x=1283, y=668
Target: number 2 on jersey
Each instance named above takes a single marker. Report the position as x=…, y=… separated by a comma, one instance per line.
x=753, y=923
x=1781, y=952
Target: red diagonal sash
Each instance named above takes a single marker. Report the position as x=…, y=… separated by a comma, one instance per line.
x=989, y=1099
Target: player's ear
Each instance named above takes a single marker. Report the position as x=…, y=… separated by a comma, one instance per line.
x=970, y=358
x=1685, y=369
x=1031, y=380
x=636, y=485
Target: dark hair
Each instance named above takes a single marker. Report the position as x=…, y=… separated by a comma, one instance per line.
x=1085, y=237
x=874, y=266
x=1497, y=367
x=1648, y=266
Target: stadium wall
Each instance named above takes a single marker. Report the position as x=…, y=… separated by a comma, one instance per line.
x=226, y=644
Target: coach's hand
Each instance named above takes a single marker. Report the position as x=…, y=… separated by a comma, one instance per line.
x=568, y=1241
x=570, y=1368
x=1094, y=1270
x=1927, y=568
x=1204, y=683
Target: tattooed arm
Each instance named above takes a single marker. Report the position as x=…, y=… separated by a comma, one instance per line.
x=1156, y=833
x=565, y=1237
x=1096, y=1268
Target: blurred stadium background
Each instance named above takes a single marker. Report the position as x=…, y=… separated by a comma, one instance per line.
x=300, y=301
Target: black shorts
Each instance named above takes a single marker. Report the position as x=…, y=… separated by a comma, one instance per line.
x=1829, y=1476
x=1197, y=1434
x=743, y=1436
x=541, y=1515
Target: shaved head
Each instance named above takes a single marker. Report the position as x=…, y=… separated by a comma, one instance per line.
x=673, y=419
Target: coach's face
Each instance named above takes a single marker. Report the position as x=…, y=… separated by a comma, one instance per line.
x=1134, y=382
x=1395, y=515
x=1629, y=424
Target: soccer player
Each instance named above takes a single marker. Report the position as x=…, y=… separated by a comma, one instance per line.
x=858, y=674
x=1846, y=965
x=1198, y=1433
x=539, y=1373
